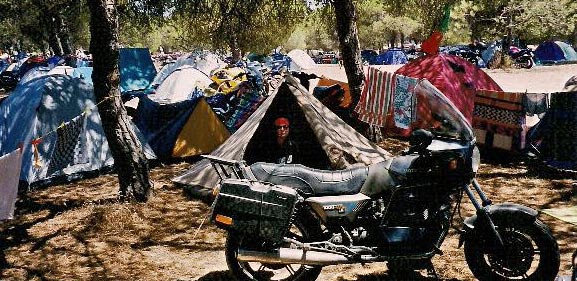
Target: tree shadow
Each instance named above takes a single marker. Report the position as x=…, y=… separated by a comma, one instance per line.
x=14, y=234
x=223, y=275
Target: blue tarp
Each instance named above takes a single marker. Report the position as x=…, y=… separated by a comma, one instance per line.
x=136, y=69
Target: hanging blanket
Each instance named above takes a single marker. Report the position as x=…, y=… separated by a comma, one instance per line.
x=499, y=120
x=404, y=101
x=375, y=100
x=70, y=148
x=10, y=165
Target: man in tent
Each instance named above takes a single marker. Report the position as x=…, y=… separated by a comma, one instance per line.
x=285, y=150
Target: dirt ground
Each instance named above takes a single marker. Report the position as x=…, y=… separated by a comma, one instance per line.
x=77, y=231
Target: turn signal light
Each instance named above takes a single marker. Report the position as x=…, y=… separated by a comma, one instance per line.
x=223, y=219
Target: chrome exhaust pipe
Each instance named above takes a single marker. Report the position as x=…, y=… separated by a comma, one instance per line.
x=292, y=256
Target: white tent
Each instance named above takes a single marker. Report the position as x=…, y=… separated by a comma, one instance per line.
x=180, y=85
x=204, y=62
x=300, y=60
x=61, y=69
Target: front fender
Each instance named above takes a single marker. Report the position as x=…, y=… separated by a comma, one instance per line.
x=500, y=214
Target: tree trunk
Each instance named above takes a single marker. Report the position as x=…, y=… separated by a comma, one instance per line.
x=53, y=34
x=349, y=46
x=129, y=159
x=64, y=36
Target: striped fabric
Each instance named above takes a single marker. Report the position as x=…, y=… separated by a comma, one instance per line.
x=499, y=120
x=375, y=101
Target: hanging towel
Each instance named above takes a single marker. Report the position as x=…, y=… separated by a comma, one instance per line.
x=10, y=165
x=375, y=99
x=404, y=101
x=535, y=104
x=70, y=149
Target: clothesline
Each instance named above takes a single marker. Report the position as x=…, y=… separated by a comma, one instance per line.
x=38, y=140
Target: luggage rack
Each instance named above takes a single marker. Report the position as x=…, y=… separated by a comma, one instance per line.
x=230, y=169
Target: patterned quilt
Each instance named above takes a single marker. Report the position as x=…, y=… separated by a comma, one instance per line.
x=499, y=120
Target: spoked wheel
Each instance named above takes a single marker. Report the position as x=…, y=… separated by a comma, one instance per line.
x=531, y=253
x=300, y=231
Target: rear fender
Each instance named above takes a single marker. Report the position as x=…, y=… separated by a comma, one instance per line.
x=499, y=213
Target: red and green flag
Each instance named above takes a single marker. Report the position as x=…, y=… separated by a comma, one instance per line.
x=431, y=45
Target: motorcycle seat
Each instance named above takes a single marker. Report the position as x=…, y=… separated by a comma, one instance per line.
x=312, y=181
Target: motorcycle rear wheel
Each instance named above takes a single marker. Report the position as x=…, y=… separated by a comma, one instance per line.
x=525, y=243
x=526, y=63
x=303, y=229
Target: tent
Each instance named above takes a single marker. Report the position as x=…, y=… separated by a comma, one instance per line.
x=327, y=82
x=61, y=69
x=205, y=62
x=300, y=60
x=554, y=52
x=181, y=129
x=180, y=85
x=555, y=136
x=136, y=69
x=455, y=77
x=368, y=56
x=326, y=141
x=391, y=56
x=58, y=113
x=34, y=73
x=84, y=72
x=29, y=63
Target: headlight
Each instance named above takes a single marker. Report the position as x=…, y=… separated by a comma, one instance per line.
x=475, y=159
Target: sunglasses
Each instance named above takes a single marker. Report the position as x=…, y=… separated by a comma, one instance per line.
x=282, y=127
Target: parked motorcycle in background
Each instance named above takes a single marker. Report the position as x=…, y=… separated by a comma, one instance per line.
x=523, y=58
x=285, y=222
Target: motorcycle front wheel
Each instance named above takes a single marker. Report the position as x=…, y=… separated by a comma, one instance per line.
x=531, y=253
x=303, y=229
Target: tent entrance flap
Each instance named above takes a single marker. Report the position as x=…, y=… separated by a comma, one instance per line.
x=311, y=153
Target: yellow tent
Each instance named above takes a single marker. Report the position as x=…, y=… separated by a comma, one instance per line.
x=202, y=132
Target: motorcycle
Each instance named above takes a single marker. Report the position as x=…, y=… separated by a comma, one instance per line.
x=285, y=222
x=523, y=58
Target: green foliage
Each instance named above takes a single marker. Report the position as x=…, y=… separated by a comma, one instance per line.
x=251, y=25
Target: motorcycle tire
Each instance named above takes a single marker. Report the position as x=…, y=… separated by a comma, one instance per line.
x=520, y=240
x=309, y=229
x=529, y=63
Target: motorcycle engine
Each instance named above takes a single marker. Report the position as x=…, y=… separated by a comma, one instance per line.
x=414, y=207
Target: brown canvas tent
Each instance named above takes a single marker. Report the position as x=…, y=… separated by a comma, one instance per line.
x=325, y=140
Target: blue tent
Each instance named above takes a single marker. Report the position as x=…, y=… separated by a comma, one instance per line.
x=181, y=129
x=392, y=56
x=136, y=69
x=60, y=111
x=555, y=51
x=161, y=123
x=83, y=73
x=369, y=56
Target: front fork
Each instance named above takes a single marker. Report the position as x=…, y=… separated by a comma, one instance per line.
x=486, y=223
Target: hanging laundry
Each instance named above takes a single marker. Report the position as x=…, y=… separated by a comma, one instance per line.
x=69, y=148
x=499, y=120
x=10, y=165
x=404, y=101
x=375, y=100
